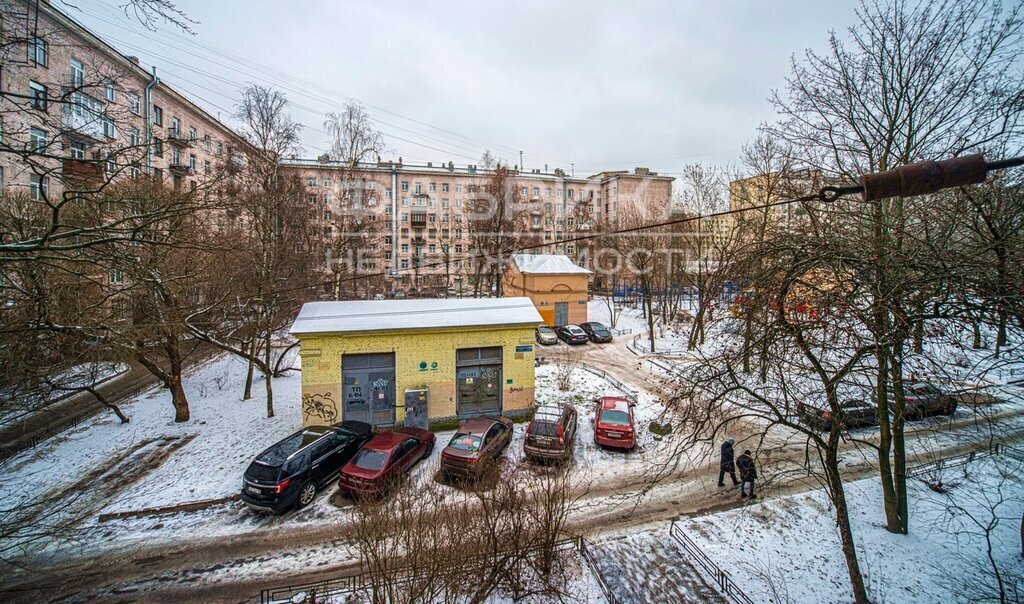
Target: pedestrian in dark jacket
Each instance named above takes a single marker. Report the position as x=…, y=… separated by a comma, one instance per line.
x=727, y=466
x=748, y=474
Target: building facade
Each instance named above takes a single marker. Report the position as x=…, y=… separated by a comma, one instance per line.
x=557, y=287
x=416, y=361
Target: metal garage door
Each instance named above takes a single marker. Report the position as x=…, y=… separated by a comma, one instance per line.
x=479, y=381
x=561, y=313
x=369, y=388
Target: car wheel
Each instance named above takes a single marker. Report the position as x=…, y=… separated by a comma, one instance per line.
x=307, y=494
x=429, y=451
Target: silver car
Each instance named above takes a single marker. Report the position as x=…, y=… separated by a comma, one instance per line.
x=546, y=336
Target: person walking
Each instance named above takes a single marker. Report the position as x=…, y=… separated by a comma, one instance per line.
x=727, y=466
x=748, y=474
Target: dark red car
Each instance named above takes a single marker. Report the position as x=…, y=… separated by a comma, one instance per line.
x=476, y=442
x=383, y=460
x=613, y=423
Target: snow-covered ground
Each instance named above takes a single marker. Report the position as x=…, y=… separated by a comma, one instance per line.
x=793, y=540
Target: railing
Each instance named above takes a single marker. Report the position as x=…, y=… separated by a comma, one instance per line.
x=622, y=332
x=963, y=459
x=631, y=394
x=641, y=348
x=722, y=579
x=314, y=591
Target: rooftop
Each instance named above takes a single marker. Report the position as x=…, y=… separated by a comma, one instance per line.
x=388, y=315
x=548, y=264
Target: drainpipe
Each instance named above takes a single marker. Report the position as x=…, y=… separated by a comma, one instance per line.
x=394, y=222
x=147, y=104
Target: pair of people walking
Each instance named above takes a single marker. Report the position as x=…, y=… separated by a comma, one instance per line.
x=745, y=464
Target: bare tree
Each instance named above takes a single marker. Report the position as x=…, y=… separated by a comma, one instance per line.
x=497, y=219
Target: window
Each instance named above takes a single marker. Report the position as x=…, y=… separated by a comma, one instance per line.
x=220, y=148
x=405, y=248
x=433, y=187
x=524, y=191
x=176, y=157
x=536, y=191
x=37, y=96
x=192, y=162
x=419, y=188
x=136, y=140
x=458, y=188
x=405, y=202
x=444, y=187
x=311, y=181
x=77, y=73
x=206, y=167
x=77, y=150
x=405, y=185
x=37, y=186
x=458, y=248
x=158, y=147
x=405, y=264
x=37, y=139
x=109, y=130
x=133, y=103
x=547, y=192
x=115, y=276
x=432, y=248
x=175, y=127
x=192, y=135
x=108, y=90
x=206, y=142
x=40, y=52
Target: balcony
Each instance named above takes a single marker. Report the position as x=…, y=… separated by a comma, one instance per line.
x=176, y=138
x=83, y=126
x=418, y=239
x=82, y=171
x=418, y=220
x=180, y=168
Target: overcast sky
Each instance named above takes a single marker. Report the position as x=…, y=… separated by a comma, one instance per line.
x=597, y=84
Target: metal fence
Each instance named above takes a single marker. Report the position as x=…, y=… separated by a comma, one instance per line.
x=963, y=459
x=639, y=347
x=630, y=394
x=721, y=578
x=317, y=591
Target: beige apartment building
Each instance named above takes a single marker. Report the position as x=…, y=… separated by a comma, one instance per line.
x=413, y=221
x=76, y=111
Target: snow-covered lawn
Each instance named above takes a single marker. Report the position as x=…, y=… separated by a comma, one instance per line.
x=86, y=374
x=943, y=559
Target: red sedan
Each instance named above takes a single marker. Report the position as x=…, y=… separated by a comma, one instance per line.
x=613, y=423
x=383, y=460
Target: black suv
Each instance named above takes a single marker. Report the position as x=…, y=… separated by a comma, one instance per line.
x=551, y=434
x=597, y=332
x=290, y=473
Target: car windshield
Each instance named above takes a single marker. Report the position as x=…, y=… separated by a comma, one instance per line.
x=258, y=471
x=545, y=330
x=614, y=417
x=465, y=442
x=544, y=428
x=370, y=459
x=575, y=330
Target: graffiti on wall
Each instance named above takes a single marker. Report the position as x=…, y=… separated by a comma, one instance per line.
x=319, y=406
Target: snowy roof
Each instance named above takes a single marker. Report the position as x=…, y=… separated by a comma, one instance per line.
x=374, y=315
x=551, y=264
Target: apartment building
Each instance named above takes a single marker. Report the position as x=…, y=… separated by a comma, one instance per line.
x=414, y=220
x=75, y=111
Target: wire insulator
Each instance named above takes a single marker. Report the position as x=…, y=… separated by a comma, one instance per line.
x=924, y=177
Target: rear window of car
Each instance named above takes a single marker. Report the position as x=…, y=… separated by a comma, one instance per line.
x=465, y=442
x=544, y=428
x=258, y=471
x=545, y=330
x=369, y=459
x=614, y=417
x=575, y=330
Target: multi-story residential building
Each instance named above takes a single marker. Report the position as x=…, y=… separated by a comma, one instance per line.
x=75, y=110
x=415, y=221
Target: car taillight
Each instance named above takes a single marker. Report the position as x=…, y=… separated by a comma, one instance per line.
x=281, y=486
x=561, y=440
x=529, y=428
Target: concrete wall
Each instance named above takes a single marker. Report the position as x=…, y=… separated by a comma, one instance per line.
x=322, y=356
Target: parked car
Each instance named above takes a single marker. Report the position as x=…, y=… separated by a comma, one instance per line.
x=477, y=441
x=927, y=400
x=854, y=413
x=551, y=433
x=596, y=331
x=546, y=336
x=613, y=423
x=572, y=334
x=383, y=460
x=289, y=473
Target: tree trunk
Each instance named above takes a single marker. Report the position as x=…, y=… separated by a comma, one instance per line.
x=247, y=394
x=109, y=405
x=267, y=375
x=860, y=594
x=899, y=452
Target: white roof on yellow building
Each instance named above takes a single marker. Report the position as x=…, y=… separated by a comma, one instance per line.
x=548, y=264
x=387, y=315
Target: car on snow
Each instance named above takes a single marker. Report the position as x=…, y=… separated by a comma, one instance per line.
x=289, y=473
x=551, y=433
x=546, y=336
x=383, y=460
x=597, y=332
x=572, y=334
x=853, y=413
x=613, y=423
x=926, y=400
x=477, y=443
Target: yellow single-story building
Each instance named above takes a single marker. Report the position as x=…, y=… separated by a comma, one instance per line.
x=557, y=286
x=416, y=361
